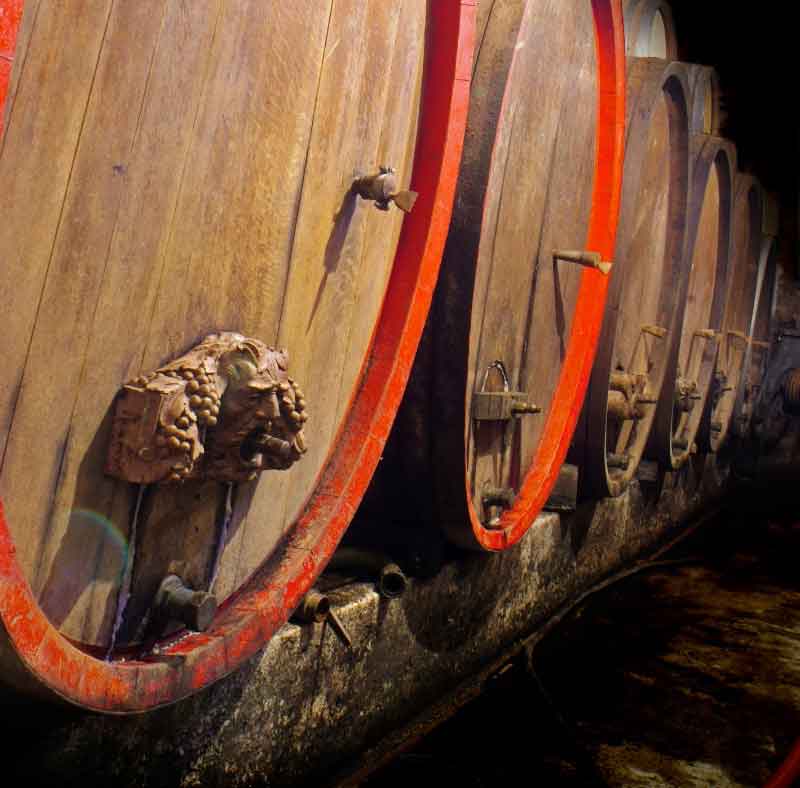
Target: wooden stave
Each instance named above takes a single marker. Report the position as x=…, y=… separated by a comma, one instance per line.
x=708, y=153
x=759, y=349
x=38, y=658
x=589, y=450
x=706, y=114
x=639, y=15
x=450, y=509
x=736, y=316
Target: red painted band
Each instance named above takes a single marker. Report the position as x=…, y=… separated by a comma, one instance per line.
x=789, y=770
x=248, y=619
x=10, y=18
x=590, y=305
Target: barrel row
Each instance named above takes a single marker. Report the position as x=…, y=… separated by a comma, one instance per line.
x=236, y=281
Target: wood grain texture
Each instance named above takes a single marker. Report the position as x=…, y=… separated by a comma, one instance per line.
x=44, y=131
x=124, y=284
x=682, y=421
x=538, y=199
x=46, y=662
x=703, y=275
x=230, y=243
x=650, y=30
x=745, y=247
x=648, y=272
x=366, y=115
x=194, y=197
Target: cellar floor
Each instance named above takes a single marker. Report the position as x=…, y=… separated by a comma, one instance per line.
x=684, y=674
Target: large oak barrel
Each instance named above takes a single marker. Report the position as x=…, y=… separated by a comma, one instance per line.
x=650, y=30
x=641, y=315
x=177, y=171
x=701, y=293
x=510, y=340
x=740, y=301
x=706, y=111
x=760, y=346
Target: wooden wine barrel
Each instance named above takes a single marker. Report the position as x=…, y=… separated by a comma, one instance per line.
x=171, y=171
x=700, y=303
x=641, y=315
x=737, y=316
x=513, y=327
x=650, y=30
x=759, y=349
x=706, y=113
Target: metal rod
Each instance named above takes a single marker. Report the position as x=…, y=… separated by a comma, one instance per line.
x=583, y=258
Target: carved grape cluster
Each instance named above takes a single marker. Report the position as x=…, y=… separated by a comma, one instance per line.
x=226, y=410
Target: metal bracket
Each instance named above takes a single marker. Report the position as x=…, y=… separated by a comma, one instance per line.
x=686, y=394
x=500, y=496
x=177, y=602
x=501, y=405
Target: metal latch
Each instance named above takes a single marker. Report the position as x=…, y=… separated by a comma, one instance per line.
x=500, y=405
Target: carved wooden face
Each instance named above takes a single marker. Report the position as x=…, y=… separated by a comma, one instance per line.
x=226, y=410
x=262, y=416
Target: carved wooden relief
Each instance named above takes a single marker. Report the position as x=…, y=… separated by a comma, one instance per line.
x=226, y=410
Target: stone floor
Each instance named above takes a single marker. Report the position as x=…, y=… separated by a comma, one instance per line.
x=686, y=673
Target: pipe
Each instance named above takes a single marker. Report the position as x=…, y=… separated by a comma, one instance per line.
x=391, y=580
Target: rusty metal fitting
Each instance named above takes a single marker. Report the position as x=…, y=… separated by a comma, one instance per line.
x=500, y=496
x=382, y=189
x=390, y=580
x=620, y=408
x=791, y=390
x=176, y=602
x=686, y=394
x=619, y=462
x=681, y=444
x=583, y=258
x=501, y=405
x=314, y=608
x=629, y=383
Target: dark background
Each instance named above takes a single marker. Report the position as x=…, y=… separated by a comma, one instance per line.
x=754, y=47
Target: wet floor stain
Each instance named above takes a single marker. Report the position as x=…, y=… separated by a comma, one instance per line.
x=687, y=674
